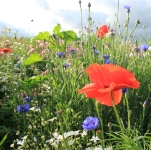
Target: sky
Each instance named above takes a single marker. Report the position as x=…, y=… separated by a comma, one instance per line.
x=17, y=14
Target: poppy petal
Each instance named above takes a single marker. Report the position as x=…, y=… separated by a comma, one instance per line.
x=102, y=31
x=106, y=99
x=90, y=90
x=98, y=74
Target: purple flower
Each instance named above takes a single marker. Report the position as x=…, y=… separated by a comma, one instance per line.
x=124, y=90
x=96, y=51
x=66, y=65
x=60, y=54
x=93, y=47
x=107, y=61
x=28, y=99
x=90, y=123
x=106, y=56
x=127, y=7
x=144, y=47
x=23, y=108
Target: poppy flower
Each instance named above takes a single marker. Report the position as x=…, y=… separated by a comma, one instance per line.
x=108, y=82
x=5, y=50
x=102, y=31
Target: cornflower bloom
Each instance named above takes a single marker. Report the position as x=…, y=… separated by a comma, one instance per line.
x=90, y=123
x=144, y=47
x=127, y=7
x=23, y=108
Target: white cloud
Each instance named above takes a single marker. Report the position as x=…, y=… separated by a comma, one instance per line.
x=47, y=13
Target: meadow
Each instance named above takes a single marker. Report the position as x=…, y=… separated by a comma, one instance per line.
x=63, y=92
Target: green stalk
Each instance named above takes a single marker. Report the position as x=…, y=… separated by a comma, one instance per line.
x=81, y=20
x=116, y=113
x=99, y=113
x=128, y=112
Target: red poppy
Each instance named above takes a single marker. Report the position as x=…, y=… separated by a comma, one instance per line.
x=108, y=79
x=5, y=50
x=102, y=31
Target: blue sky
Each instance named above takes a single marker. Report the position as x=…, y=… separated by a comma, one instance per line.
x=17, y=14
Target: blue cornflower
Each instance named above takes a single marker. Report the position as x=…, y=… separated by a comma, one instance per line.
x=106, y=56
x=23, y=108
x=107, y=61
x=127, y=7
x=96, y=52
x=144, y=47
x=124, y=90
x=28, y=99
x=90, y=123
x=66, y=65
x=93, y=47
x=60, y=54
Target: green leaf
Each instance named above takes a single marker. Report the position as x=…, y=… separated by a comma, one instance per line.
x=68, y=35
x=32, y=59
x=3, y=140
x=42, y=36
x=57, y=29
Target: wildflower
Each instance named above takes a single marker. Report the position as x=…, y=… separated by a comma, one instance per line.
x=28, y=99
x=70, y=142
x=12, y=145
x=5, y=50
x=90, y=123
x=106, y=56
x=60, y=54
x=66, y=65
x=124, y=90
x=93, y=47
x=102, y=31
x=95, y=139
x=96, y=52
x=144, y=104
x=107, y=61
x=88, y=30
x=84, y=133
x=108, y=81
x=144, y=47
x=21, y=142
x=127, y=7
x=52, y=119
x=23, y=108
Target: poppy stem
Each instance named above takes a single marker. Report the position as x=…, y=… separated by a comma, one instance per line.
x=117, y=114
x=99, y=113
x=128, y=111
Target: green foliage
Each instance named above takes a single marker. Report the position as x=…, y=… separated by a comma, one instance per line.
x=33, y=58
x=68, y=36
x=57, y=29
x=42, y=36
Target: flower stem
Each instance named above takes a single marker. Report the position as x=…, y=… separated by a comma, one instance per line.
x=99, y=113
x=116, y=113
x=128, y=112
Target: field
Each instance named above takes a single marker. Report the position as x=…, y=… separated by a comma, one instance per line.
x=60, y=91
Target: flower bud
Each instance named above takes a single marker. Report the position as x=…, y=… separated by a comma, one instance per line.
x=137, y=21
x=89, y=4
